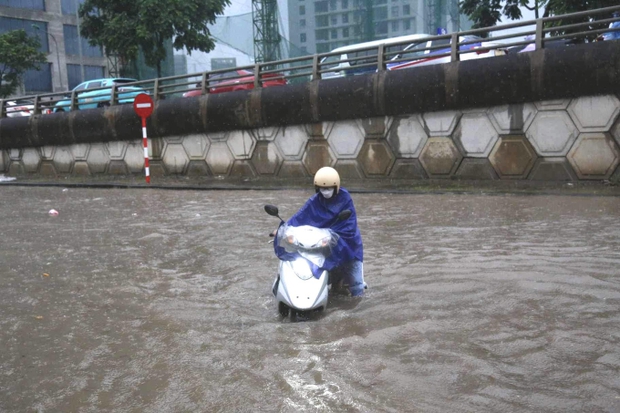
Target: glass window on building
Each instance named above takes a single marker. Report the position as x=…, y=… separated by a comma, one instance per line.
x=302, y=10
x=321, y=21
x=69, y=7
x=381, y=2
x=302, y=23
x=395, y=26
x=407, y=25
x=72, y=42
x=31, y=27
x=334, y=20
x=322, y=48
x=322, y=34
x=38, y=80
x=332, y=5
x=24, y=4
x=381, y=27
x=395, y=11
x=320, y=7
x=334, y=33
x=74, y=74
x=345, y=4
x=345, y=32
x=302, y=37
x=345, y=18
x=406, y=10
x=381, y=13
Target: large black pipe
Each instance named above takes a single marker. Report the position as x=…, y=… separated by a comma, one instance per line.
x=556, y=73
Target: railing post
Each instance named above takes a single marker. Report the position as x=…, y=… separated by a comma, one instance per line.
x=539, y=34
x=113, y=95
x=36, y=110
x=381, y=58
x=454, y=47
x=2, y=110
x=204, y=89
x=73, y=101
x=316, y=75
x=156, y=90
x=257, y=82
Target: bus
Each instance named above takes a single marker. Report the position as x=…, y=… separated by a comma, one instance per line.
x=339, y=67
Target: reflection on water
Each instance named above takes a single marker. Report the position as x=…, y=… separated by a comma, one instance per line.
x=160, y=301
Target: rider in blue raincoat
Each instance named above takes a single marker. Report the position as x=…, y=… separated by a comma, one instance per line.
x=345, y=264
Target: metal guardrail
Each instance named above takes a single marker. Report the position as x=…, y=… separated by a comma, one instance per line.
x=576, y=27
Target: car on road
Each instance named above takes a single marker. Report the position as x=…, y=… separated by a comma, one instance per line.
x=239, y=79
x=96, y=93
x=19, y=108
x=420, y=55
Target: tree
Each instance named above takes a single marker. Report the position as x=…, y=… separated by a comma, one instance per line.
x=124, y=27
x=487, y=13
x=18, y=53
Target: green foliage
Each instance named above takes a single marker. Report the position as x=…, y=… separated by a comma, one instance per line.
x=18, y=53
x=124, y=27
x=487, y=13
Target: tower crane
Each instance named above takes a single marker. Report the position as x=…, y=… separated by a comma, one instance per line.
x=267, y=37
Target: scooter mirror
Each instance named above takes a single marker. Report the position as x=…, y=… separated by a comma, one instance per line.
x=272, y=210
x=344, y=215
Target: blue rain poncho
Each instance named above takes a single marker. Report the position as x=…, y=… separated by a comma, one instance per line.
x=323, y=213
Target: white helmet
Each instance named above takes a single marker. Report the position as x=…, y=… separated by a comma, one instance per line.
x=327, y=177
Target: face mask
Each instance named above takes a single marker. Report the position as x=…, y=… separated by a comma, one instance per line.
x=327, y=192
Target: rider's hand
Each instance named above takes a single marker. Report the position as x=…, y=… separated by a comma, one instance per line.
x=273, y=233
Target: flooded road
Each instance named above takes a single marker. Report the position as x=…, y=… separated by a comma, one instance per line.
x=159, y=301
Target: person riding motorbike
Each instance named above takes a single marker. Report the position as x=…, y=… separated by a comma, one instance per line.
x=345, y=264
x=613, y=35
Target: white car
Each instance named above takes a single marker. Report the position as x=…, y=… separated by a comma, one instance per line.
x=19, y=108
x=419, y=54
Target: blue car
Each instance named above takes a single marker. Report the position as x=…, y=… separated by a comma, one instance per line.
x=87, y=98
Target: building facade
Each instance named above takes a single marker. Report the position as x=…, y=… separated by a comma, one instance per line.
x=70, y=59
x=319, y=26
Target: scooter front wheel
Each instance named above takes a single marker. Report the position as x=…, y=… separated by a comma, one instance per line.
x=283, y=309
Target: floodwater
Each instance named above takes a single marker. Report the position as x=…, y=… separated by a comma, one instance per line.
x=144, y=300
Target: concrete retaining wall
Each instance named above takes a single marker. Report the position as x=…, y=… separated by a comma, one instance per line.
x=552, y=114
x=557, y=140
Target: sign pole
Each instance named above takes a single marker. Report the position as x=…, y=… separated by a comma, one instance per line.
x=145, y=143
x=143, y=106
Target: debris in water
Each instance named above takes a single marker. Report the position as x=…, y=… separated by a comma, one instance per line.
x=6, y=178
x=53, y=212
x=46, y=274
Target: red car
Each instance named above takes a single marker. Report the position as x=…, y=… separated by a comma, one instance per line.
x=237, y=80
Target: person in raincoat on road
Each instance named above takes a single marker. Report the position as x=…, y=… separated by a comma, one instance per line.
x=346, y=263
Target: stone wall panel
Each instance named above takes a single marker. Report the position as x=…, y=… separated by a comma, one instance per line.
x=594, y=156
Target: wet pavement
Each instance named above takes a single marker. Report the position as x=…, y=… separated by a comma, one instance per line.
x=147, y=300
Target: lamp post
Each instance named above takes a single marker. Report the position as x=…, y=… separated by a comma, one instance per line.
x=57, y=53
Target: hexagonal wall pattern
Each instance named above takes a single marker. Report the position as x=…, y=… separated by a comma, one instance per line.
x=408, y=169
x=594, y=156
x=552, y=133
x=440, y=158
x=117, y=149
x=476, y=168
x=292, y=169
x=594, y=113
x=317, y=155
x=407, y=136
x=475, y=135
x=63, y=160
x=513, y=157
x=441, y=123
x=98, y=158
x=175, y=158
x=557, y=104
x=266, y=134
x=266, y=158
x=241, y=144
x=376, y=128
x=552, y=169
x=3, y=160
x=346, y=138
x=196, y=146
x=134, y=157
x=31, y=160
x=348, y=169
x=291, y=141
x=80, y=151
x=512, y=118
x=376, y=158
x=219, y=158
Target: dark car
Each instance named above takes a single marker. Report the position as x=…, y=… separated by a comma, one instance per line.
x=239, y=79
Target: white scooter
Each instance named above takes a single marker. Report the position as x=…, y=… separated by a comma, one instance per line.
x=300, y=285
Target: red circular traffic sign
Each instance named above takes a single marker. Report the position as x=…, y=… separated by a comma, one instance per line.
x=143, y=105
